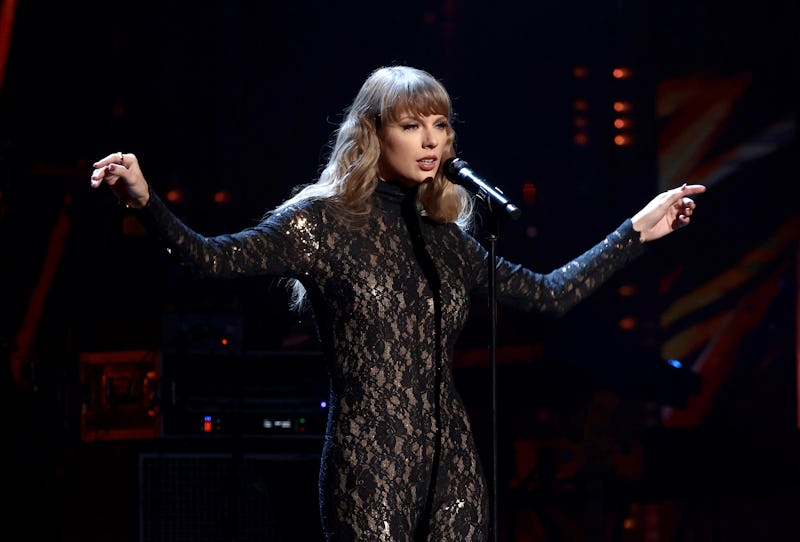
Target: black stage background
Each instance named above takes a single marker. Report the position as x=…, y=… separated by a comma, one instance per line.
x=664, y=408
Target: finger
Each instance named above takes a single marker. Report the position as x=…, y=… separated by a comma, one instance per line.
x=113, y=158
x=678, y=195
x=689, y=189
x=116, y=170
x=104, y=174
x=99, y=176
x=680, y=221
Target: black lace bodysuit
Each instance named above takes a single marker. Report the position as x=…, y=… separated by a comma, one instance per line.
x=399, y=462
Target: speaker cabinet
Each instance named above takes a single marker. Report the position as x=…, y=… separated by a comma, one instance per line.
x=227, y=495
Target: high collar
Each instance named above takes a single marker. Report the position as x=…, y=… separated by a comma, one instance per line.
x=395, y=194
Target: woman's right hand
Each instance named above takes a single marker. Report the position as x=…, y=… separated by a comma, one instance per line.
x=122, y=174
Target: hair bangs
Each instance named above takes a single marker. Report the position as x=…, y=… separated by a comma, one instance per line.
x=415, y=95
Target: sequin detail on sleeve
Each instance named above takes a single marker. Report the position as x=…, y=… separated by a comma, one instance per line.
x=284, y=244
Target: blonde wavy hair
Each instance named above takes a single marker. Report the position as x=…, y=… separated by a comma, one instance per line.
x=350, y=176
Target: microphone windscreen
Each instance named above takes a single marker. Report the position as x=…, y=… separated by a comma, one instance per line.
x=453, y=167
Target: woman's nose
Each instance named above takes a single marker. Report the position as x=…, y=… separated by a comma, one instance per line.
x=430, y=139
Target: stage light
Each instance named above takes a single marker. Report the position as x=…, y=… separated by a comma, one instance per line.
x=580, y=121
x=621, y=106
x=621, y=73
x=628, y=323
x=627, y=290
x=222, y=196
x=175, y=195
x=622, y=140
x=620, y=123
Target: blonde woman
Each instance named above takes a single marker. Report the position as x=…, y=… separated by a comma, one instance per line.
x=378, y=248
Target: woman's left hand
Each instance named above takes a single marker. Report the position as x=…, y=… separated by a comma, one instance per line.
x=666, y=212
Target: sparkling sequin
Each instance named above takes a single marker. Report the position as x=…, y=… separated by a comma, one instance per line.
x=375, y=313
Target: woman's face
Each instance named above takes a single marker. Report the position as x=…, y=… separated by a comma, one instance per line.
x=411, y=148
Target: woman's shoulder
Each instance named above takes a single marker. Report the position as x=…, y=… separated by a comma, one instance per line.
x=307, y=206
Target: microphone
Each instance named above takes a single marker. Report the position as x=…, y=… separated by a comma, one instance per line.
x=459, y=172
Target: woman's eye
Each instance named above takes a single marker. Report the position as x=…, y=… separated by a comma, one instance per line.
x=409, y=126
x=443, y=125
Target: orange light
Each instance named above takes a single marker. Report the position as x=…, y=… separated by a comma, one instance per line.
x=580, y=122
x=621, y=73
x=621, y=107
x=622, y=140
x=580, y=72
x=626, y=290
x=224, y=341
x=222, y=196
x=581, y=139
x=175, y=195
x=628, y=323
x=620, y=123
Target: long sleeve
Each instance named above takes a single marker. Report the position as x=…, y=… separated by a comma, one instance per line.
x=564, y=287
x=282, y=245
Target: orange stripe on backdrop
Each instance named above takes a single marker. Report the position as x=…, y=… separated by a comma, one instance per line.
x=748, y=267
x=688, y=342
x=21, y=351
x=723, y=332
x=698, y=107
x=6, y=24
x=720, y=353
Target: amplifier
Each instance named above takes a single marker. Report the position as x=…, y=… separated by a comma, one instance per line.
x=251, y=394
x=229, y=490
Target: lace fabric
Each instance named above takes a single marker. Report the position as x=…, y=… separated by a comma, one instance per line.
x=399, y=461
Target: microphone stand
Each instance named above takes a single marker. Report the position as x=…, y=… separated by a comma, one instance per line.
x=493, y=232
x=458, y=171
x=493, y=235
